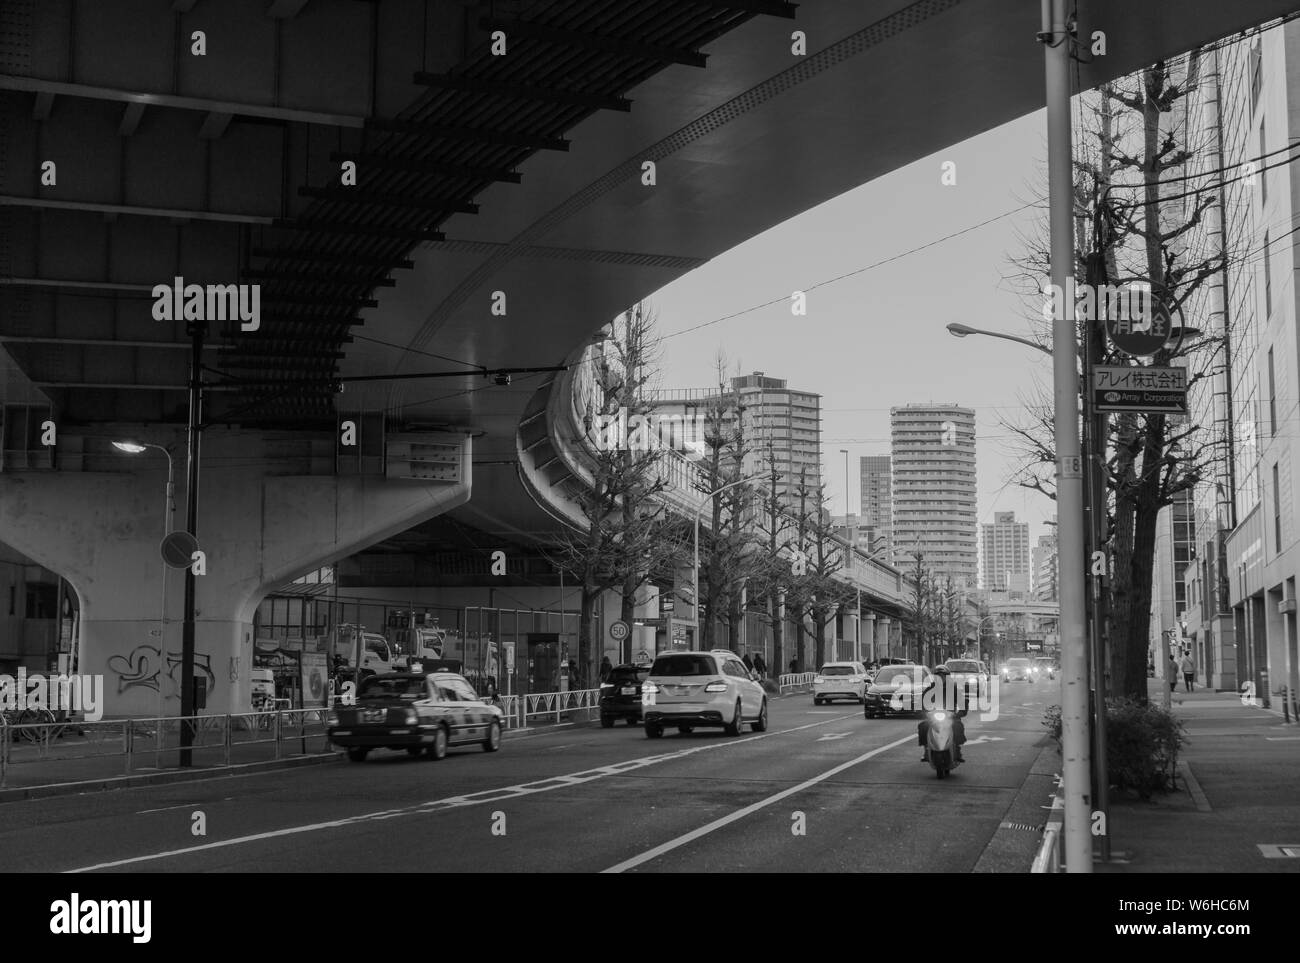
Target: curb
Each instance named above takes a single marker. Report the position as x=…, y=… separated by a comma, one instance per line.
x=1018, y=839
x=157, y=778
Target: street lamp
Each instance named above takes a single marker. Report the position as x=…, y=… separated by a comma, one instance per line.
x=695, y=579
x=169, y=509
x=958, y=330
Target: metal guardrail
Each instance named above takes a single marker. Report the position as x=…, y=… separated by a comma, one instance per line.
x=130, y=739
x=1051, y=851
x=799, y=682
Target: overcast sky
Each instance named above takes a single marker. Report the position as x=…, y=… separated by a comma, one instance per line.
x=877, y=339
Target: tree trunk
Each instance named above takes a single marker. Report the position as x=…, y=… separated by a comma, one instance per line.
x=778, y=633
x=586, y=623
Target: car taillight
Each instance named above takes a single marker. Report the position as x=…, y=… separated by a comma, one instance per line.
x=718, y=686
x=412, y=716
x=606, y=685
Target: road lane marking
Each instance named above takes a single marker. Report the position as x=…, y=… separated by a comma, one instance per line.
x=456, y=802
x=727, y=820
x=163, y=809
x=834, y=735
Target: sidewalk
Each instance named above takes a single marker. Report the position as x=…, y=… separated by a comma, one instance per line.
x=1238, y=795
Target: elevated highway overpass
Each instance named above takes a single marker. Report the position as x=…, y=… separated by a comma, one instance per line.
x=499, y=216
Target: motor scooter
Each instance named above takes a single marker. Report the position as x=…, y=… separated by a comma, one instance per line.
x=939, y=741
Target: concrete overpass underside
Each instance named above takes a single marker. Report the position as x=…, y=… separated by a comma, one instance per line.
x=497, y=219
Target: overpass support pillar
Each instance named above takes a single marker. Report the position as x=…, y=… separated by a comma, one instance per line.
x=258, y=528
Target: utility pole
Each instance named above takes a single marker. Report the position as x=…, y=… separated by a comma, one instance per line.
x=191, y=525
x=1075, y=776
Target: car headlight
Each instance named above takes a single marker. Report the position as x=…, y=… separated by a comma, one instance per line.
x=718, y=686
x=818, y=681
x=940, y=716
x=649, y=687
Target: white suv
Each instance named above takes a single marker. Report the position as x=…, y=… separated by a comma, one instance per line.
x=701, y=689
x=840, y=680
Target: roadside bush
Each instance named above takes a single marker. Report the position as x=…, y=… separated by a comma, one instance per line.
x=1142, y=744
x=771, y=688
x=1052, y=719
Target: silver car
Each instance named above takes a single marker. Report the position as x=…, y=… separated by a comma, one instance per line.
x=693, y=690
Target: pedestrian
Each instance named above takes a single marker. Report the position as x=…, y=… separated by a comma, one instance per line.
x=749, y=662
x=605, y=668
x=794, y=666
x=759, y=665
x=1173, y=673
x=1189, y=672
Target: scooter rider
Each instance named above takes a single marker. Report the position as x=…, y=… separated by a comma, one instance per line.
x=939, y=686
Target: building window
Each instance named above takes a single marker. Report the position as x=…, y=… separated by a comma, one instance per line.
x=1256, y=73
x=1272, y=396
x=1277, y=511
x=1263, y=166
x=1268, y=278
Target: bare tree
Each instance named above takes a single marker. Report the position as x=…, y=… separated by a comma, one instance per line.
x=1136, y=223
x=819, y=554
x=628, y=537
x=728, y=541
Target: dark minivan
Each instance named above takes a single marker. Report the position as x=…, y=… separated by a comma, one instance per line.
x=620, y=695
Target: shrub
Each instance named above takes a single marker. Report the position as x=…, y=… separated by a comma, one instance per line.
x=770, y=687
x=1052, y=719
x=1142, y=744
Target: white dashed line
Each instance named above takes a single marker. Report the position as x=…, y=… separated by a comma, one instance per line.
x=456, y=802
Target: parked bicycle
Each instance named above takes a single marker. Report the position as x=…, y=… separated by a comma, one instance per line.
x=27, y=724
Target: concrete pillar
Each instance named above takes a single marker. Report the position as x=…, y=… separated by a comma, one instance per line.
x=258, y=525
x=882, y=637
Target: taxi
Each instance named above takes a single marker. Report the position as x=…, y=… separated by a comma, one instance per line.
x=416, y=711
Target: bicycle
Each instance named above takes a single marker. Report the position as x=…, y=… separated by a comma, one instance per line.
x=25, y=723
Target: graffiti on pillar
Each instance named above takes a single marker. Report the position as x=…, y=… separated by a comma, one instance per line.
x=143, y=665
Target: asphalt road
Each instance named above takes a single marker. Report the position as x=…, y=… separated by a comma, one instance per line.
x=822, y=789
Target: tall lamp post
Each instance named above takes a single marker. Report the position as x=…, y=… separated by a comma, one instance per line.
x=169, y=509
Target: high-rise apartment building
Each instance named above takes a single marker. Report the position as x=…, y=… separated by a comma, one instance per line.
x=877, y=504
x=1004, y=554
x=933, y=490
x=781, y=426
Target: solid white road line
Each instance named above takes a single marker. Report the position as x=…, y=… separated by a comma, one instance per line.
x=727, y=820
x=456, y=802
